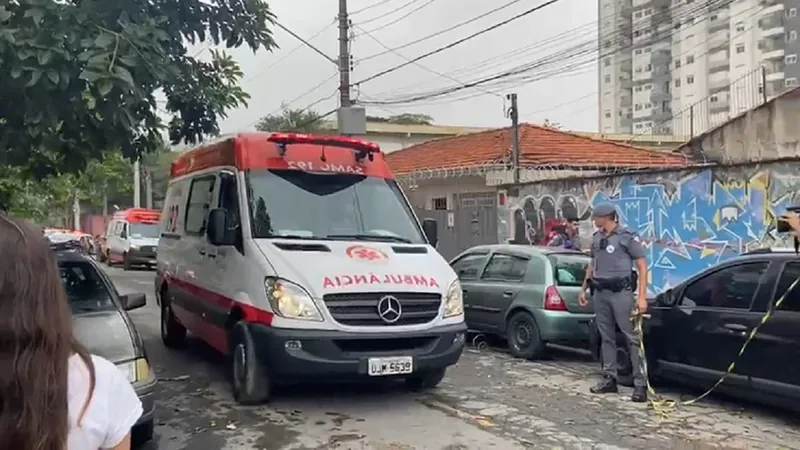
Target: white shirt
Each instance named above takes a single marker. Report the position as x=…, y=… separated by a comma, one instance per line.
x=113, y=409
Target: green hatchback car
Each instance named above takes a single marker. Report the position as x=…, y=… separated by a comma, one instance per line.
x=526, y=294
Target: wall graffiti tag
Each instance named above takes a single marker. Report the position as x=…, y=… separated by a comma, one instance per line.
x=688, y=220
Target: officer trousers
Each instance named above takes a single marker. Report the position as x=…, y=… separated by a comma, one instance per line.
x=612, y=310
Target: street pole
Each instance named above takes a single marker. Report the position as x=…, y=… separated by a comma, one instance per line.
x=148, y=188
x=137, y=185
x=513, y=112
x=344, y=56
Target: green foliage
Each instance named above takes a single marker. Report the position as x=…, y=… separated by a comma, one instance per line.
x=110, y=176
x=293, y=120
x=158, y=166
x=80, y=77
x=403, y=119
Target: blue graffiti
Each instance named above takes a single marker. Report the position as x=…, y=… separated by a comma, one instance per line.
x=701, y=223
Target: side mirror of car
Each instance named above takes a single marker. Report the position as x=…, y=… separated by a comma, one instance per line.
x=217, y=229
x=133, y=301
x=666, y=298
x=431, y=230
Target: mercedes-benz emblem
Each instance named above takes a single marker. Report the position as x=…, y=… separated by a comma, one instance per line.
x=389, y=309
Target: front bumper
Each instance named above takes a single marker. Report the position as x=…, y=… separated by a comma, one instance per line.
x=142, y=257
x=146, y=392
x=316, y=355
x=563, y=325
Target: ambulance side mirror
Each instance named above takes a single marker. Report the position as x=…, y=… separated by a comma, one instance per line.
x=431, y=230
x=217, y=228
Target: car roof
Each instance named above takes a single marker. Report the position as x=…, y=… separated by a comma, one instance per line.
x=524, y=249
x=67, y=257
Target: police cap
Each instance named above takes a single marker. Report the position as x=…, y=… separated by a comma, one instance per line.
x=603, y=210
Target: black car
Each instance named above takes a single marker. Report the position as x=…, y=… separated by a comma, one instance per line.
x=698, y=327
x=102, y=324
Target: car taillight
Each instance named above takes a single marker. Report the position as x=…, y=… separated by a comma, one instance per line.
x=553, y=300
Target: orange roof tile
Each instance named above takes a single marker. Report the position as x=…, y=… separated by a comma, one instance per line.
x=538, y=146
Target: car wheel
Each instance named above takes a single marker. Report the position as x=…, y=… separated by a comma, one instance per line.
x=426, y=380
x=249, y=380
x=126, y=263
x=142, y=433
x=524, y=339
x=173, y=334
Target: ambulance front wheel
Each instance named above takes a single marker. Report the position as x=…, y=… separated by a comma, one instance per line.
x=251, y=385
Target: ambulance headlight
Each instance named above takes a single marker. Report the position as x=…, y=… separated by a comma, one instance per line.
x=454, y=301
x=291, y=301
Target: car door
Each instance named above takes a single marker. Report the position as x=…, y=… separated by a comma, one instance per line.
x=772, y=357
x=500, y=283
x=710, y=323
x=115, y=241
x=196, y=306
x=467, y=267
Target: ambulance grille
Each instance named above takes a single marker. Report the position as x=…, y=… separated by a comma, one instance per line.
x=361, y=309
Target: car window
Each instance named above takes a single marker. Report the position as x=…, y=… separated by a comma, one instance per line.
x=200, y=196
x=467, y=266
x=505, y=267
x=731, y=287
x=791, y=272
x=569, y=268
x=85, y=289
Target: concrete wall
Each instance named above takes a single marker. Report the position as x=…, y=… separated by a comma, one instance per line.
x=421, y=192
x=689, y=220
x=769, y=132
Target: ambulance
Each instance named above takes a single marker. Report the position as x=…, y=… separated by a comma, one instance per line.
x=132, y=238
x=299, y=257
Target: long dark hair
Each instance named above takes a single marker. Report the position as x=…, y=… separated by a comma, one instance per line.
x=36, y=342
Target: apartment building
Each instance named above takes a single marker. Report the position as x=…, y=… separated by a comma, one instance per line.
x=661, y=59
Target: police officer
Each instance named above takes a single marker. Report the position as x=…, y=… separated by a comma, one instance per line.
x=610, y=278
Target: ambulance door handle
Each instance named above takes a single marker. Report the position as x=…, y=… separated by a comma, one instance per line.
x=202, y=252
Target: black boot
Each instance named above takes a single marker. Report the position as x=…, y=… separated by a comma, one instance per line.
x=639, y=395
x=606, y=386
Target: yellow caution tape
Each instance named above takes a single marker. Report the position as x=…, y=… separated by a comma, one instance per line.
x=663, y=406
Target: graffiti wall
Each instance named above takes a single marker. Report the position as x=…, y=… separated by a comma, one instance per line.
x=688, y=220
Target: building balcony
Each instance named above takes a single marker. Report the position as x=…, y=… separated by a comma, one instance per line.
x=775, y=76
x=773, y=54
x=771, y=25
x=716, y=84
x=771, y=9
x=658, y=95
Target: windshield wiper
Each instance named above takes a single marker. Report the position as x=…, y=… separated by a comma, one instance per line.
x=296, y=236
x=371, y=237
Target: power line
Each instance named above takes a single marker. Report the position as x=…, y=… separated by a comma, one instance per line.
x=418, y=64
x=439, y=33
x=460, y=41
x=582, y=49
x=403, y=17
x=367, y=8
x=308, y=44
x=578, y=51
x=403, y=6
x=294, y=50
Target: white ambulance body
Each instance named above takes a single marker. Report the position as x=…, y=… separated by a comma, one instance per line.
x=300, y=257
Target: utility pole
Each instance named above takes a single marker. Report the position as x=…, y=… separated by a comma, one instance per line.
x=513, y=113
x=137, y=185
x=344, y=56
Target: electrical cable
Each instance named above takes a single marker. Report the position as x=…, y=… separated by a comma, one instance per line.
x=294, y=50
x=403, y=17
x=460, y=41
x=418, y=64
x=367, y=8
x=403, y=6
x=591, y=47
x=439, y=33
x=579, y=51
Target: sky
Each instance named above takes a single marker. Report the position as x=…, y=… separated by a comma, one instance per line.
x=565, y=96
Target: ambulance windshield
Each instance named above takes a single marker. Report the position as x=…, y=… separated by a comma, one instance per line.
x=303, y=205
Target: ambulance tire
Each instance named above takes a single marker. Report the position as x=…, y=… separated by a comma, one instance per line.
x=426, y=380
x=142, y=433
x=173, y=334
x=249, y=380
x=126, y=263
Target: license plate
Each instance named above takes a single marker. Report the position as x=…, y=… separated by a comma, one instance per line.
x=390, y=366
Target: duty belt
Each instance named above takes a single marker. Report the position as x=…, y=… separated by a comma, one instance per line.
x=617, y=284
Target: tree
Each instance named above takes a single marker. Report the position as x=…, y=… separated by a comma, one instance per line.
x=80, y=77
x=403, y=119
x=293, y=120
x=112, y=176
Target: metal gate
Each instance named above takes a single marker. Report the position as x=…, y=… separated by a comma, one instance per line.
x=472, y=221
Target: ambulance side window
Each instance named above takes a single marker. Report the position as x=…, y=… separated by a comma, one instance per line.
x=201, y=194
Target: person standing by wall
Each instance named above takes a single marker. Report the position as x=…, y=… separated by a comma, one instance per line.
x=615, y=250
x=55, y=395
x=568, y=236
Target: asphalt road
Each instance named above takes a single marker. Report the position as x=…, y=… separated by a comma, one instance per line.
x=488, y=401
